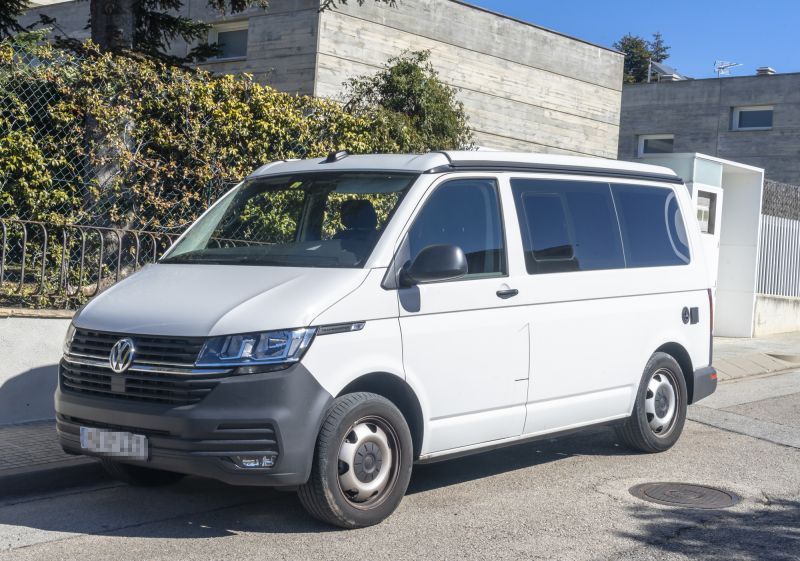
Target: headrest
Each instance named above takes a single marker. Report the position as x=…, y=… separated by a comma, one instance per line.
x=359, y=215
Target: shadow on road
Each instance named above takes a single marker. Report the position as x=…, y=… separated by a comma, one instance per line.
x=591, y=442
x=721, y=535
x=202, y=508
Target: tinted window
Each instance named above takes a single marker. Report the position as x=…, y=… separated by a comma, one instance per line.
x=465, y=213
x=653, y=231
x=567, y=226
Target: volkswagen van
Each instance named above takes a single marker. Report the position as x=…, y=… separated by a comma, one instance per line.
x=328, y=323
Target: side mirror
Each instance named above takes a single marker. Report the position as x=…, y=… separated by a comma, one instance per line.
x=435, y=263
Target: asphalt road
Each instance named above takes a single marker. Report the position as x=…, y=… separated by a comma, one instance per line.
x=558, y=499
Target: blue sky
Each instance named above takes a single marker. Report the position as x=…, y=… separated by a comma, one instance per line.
x=763, y=33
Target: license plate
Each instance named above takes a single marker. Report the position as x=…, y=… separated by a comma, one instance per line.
x=114, y=443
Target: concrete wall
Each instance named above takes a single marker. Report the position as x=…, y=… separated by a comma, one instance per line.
x=30, y=348
x=72, y=19
x=699, y=112
x=524, y=87
x=281, y=47
x=776, y=314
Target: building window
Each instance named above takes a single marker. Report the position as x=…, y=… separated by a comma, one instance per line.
x=755, y=118
x=707, y=211
x=231, y=39
x=656, y=144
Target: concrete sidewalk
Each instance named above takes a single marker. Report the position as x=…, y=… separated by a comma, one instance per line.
x=32, y=460
x=740, y=358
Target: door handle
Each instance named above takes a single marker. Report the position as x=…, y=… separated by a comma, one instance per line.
x=507, y=293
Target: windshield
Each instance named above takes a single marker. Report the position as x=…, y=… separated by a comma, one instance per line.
x=303, y=220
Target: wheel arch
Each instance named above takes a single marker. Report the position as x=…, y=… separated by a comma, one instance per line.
x=684, y=360
x=396, y=390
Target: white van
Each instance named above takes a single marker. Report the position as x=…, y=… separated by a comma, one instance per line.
x=330, y=322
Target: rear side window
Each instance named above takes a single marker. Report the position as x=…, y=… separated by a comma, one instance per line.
x=465, y=213
x=567, y=226
x=653, y=231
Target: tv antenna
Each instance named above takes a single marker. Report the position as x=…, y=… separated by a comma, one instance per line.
x=723, y=67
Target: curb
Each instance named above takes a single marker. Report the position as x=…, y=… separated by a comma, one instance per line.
x=51, y=477
x=753, y=364
x=34, y=313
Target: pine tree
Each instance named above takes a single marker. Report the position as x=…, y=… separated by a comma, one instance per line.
x=10, y=10
x=638, y=54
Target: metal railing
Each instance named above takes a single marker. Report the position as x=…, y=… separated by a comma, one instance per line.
x=779, y=259
x=71, y=261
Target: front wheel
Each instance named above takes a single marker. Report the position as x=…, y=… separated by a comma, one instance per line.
x=660, y=410
x=362, y=462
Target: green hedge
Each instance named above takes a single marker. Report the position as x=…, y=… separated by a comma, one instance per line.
x=132, y=142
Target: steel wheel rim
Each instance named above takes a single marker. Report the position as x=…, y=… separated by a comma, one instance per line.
x=661, y=402
x=368, y=462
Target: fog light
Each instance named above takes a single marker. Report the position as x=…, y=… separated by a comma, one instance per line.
x=249, y=462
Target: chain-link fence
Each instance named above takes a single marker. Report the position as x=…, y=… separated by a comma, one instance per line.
x=105, y=160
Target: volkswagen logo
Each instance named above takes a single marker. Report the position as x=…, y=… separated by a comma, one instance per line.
x=121, y=355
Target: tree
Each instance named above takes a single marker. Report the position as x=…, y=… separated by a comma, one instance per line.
x=658, y=48
x=10, y=10
x=638, y=54
x=408, y=103
x=150, y=26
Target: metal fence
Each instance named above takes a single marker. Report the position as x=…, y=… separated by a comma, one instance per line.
x=63, y=265
x=779, y=262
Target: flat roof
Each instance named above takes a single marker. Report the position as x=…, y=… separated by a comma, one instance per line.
x=444, y=161
x=714, y=78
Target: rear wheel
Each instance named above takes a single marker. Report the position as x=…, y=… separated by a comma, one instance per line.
x=362, y=462
x=660, y=410
x=139, y=476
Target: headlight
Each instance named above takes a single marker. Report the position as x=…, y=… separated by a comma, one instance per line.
x=68, y=338
x=270, y=347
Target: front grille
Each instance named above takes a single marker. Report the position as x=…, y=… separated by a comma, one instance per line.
x=162, y=371
x=180, y=389
x=176, y=351
x=76, y=422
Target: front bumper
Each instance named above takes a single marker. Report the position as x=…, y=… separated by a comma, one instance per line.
x=277, y=413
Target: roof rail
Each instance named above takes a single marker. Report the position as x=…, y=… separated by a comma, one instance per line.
x=490, y=165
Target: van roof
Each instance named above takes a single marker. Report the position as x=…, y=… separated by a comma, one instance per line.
x=481, y=160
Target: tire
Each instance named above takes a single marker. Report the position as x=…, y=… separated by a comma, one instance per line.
x=352, y=485
x=140, y=476
x=660, y=410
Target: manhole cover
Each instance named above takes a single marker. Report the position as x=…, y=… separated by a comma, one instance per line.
x=685, y=495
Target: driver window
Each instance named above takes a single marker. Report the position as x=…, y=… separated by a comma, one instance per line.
x=465, y=213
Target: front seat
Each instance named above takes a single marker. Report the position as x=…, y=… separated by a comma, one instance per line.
x=360, y=222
